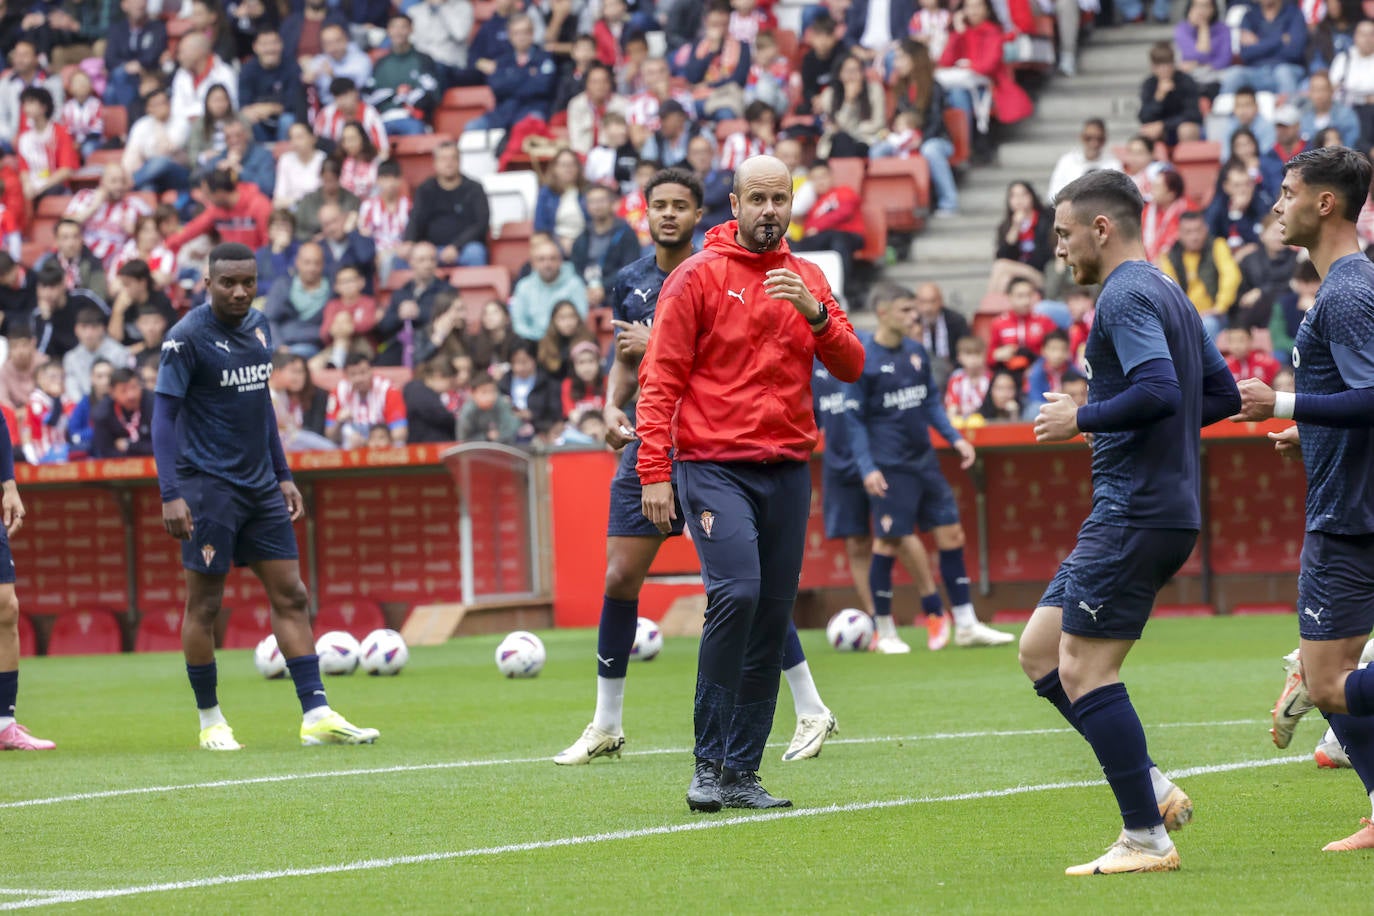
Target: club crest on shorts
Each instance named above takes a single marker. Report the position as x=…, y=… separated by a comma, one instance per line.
x=207, y=553
x=708, y=521
x=262, y=338
x=886, y=523
x=916, y=362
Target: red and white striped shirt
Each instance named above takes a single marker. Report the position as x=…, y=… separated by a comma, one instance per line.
x=964, y=396
x=739, y=147
x=381, y=404
x=83, y=119
x=386, y=227
x=43, y=152
x=744, y=27
x=357, y=177
x=642, y=108
x=107, y=230
x=160, y=260
x=329, y=124
x=45, y=436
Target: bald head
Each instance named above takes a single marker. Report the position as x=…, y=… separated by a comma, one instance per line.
x=762, y=202
x=192, y=50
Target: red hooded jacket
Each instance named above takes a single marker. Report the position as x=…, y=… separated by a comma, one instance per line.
x=727, y=376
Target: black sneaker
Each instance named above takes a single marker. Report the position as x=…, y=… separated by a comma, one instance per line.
x=704, y=792
x=741, y=789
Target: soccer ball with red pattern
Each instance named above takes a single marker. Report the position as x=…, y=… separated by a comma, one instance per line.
x=384, y=652
x=520, y=654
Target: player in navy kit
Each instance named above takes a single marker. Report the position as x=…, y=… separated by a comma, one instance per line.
x=227, y=492
x=845, y=502
x=888, y=435
x=1320, y=199
x=1156, y=380
x=632, y=541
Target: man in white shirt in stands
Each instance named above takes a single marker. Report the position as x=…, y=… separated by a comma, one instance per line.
x=1079, y=161
x=200, y=70
x=1352, y=76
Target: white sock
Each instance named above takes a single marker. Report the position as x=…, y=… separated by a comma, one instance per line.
x=1155, y=839
x=805, y=698
x=886, y=626
x=964, y=615
x=610, y=704
x=1371, y=800
x=208, y=717
x=6, y=722
x=316, y=714
x=1161, y=783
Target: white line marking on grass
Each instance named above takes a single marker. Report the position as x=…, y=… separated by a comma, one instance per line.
x=514, y=761
x=608, y=837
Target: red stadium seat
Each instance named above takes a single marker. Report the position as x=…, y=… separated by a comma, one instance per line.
x=85, y=633
x=901, y=187
x=28, y=644
x=43, y=231
x=460, y=105
x=993, y=305
x=479, y=285
x=511, y=249
x=789, y=47
x=849, y=171
x=356, y=617
x=956, y=123
x=159, y=630
x=396, y=279
x=1199, y=163
x=875, y=235
x=116, y=122
x=247, y=627
x=52, y=205
x=415, y=155
x=326, y=379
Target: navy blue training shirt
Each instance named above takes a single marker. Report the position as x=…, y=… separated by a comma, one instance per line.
x=896, y=404
x=221, y=373
x=1148, y=477
x=634, y=292
x=1333, y=351
x=831, y=402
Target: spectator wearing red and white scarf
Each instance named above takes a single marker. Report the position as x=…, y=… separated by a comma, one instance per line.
x=83, y=115
x=968, y=385
x=363, y=400
x=348, y=105
x=45, y=423
x=108, y=214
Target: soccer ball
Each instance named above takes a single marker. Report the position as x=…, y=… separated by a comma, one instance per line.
x=520, y=654
x=338, y=652
x=850, y=630
x=648, y=641
x=268, y=658
x=384, y=652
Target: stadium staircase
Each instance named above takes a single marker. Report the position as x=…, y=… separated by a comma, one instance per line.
x=956, y=253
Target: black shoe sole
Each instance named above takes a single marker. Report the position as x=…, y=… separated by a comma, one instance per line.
x=704, y=807
x=781, y=803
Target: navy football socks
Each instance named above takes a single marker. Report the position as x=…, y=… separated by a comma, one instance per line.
x=1356, y=734
x=792, y=654
x=9, y=692
x=204, y=680
x=615, y=636
x=930, y=605
x=880, y=584
x=305, y=674
x=955, y=576
x=1051, y=689
x=1110, y=724
x=1359, y=692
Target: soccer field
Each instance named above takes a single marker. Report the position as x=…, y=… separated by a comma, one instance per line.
x=950, y=788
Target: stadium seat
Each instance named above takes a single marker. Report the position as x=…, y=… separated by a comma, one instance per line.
x=28, y=643
x=52, y=205
x=479, y=285
x=247, y=627
x=477, y=149
x=85, y=633
x=849, y=171
x=396, y=279
x=460, y=105
x=1199, y=163
x=510, y=249
x=326, y=379
x=159, y=630
x=875, y=235
x=789, y=47
x=992, y=305
x=511, y=196
x=116, y=122
x=399, y=376
x=832, y=265
x=901, y=187
x=43, y=229
x=956, y=123
x=356, y=617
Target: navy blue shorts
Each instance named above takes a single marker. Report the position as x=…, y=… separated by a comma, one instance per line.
x=918, y=496
x=6, y=559
x=1336, y=586
x=845, y=503
x=1107, y=585
x=626, y=518
x=234, y=525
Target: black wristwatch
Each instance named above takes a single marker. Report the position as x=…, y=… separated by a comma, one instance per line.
x=821, y=318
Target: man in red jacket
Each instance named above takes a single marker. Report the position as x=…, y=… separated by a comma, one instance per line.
x=834, y=222
x=236, y=212
x=725, y=399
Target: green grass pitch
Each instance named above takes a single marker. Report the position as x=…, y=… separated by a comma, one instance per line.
x=951, y=788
